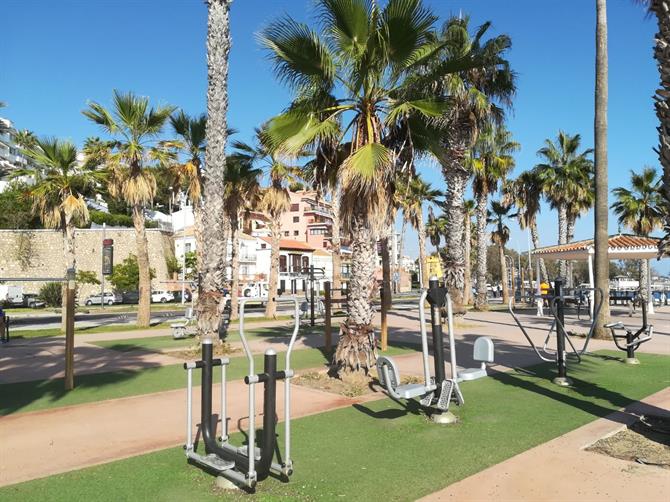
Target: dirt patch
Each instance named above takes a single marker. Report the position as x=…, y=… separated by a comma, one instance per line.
x=646, y=442
x=195, y=352
x=348, y=385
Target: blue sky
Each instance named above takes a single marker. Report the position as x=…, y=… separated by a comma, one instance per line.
x=55, y=56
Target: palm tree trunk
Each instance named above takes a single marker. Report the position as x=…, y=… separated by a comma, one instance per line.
x=481, y=301
x=467, y=251
x=336, y=241
x=454, y=261
x=601, y=263
x=144, y=305
x=401, y=244
x=275, y=235
x=212, y=246
x=536, y=244
x=235, y=267
x=644, y=274
x=422, y=249
x=386, y=289
x=503, y=274
x=570, y=235
x=356, y=348
x=68, y=251
x=562, y=236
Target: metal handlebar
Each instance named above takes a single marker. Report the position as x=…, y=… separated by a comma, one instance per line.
x=525, y=333
x=594, y=322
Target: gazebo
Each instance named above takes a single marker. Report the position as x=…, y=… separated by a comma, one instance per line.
x=619, y=247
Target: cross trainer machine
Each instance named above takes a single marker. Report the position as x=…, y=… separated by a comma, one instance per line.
x=559, y=355
x=436, y=392
x=631, y=340
x=244, y=465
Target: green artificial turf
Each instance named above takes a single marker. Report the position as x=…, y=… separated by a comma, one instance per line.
x=382, y=450
x=44, y=394
x=159, y=343
x=108, y=328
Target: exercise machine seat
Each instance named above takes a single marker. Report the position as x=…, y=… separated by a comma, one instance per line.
x=482, y=352
x=411, y=390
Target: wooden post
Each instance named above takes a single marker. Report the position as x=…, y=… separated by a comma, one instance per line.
x=69, y=329
x=328, y=306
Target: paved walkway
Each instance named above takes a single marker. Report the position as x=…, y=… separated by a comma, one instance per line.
x=561, y=469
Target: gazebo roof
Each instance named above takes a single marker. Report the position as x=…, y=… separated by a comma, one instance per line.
x=620, y=247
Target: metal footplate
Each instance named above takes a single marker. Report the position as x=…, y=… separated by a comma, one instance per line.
x=212, y=461
x=450, y=391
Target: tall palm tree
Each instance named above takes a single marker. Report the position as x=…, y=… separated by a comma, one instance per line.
x=274, y=200
x=475, y=96
x=564, y=175
x=135, y=127
x=468, y=212
x=500, y=237
x=660, y=9
x=411, y=195
x=369, y=55
x=491, y=161
x=242, y=190
x=639, y=208
x=525, y=193
x=213, y=246
x=58, y=198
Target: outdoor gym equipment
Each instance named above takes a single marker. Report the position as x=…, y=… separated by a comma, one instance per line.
x=436, y=391
x=632, y=339
x=244, y=465
x=557, y=307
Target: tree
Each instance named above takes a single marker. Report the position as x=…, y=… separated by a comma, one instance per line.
x=136, y=127
x=242, y=190
x=57, y=195
x=468, y=212
x=601, y=256
x=126, y=275
x=274, y=200
x=500, y=237
x=369, y=55
x=525, y=192
x=475, y=96
x=564, y=175
x=16, y=210
x=491, y=161
x=51, y=293
x=212, y=248
x=639, y=208
x=411, y=194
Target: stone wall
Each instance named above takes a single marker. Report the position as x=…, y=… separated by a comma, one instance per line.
x=39, y=253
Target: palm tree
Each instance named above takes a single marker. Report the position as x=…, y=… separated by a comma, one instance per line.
x=241, y=191
x=274, y=200
x=468, y=212
x=370, y=54
x=564, y=176
x=135, y=127
x=660, y=9
x=491, y=162
x=58, y=198
x=500, y=237
x=213, y=246
x=25, y=139
x=474, y=95
x=639, y=208
x=525, y=192
x=411, y=195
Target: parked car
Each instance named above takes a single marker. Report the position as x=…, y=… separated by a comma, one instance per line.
x=177, y=296
x=131, y=297
x=32, y=301
x=109, y=299
x=162, y=297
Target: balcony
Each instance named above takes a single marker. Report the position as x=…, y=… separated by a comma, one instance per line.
x=319, y=211
x=248, y=257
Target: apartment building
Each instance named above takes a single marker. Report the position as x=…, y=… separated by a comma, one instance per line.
x=309, y=219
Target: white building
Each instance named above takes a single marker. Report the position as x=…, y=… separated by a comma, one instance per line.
x=10, y=154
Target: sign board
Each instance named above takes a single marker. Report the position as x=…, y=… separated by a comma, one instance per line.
x=107, y=256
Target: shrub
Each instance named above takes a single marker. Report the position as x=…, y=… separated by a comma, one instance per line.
x=52, y=294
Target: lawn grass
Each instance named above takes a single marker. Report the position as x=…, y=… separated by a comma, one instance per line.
x=46, y=394
x=107, y=328
x=382, y=450
x=160, y=343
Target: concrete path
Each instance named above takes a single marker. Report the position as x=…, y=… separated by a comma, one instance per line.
x=562, y=470
x=42, y=443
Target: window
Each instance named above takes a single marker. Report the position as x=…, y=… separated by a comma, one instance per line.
x=282, y=264
x=305, y=262
x=295, y=207
x=264, y=246
x=296, y=232
x=296, y=219
x=286, y=233
x=187, y=247
x=325, y=244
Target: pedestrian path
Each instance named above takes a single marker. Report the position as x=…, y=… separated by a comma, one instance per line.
x=561, y=469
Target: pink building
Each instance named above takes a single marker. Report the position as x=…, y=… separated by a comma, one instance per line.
x=308, y=220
